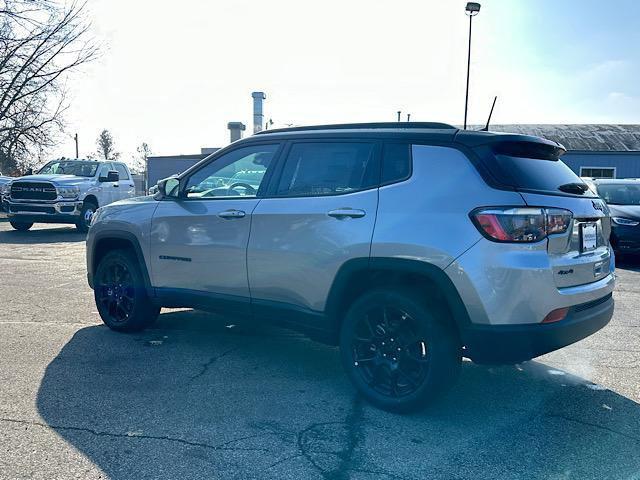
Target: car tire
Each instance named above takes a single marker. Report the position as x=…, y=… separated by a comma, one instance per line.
x=398, y=349
x=88, y=209
x=120, y=293
x=21, y=226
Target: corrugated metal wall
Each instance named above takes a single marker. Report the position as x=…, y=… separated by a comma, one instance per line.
x=627, y=164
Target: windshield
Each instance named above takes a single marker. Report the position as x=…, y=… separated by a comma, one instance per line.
x=620, y=193
x=70, y=167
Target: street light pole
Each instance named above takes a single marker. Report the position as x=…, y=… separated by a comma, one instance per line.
x=75, y=137
x=472, y=9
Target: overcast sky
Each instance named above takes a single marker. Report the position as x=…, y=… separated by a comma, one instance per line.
x=174, y=73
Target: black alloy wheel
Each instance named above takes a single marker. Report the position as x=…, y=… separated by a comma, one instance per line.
x=399, y=349
x=120, y=293
x=115, y=292
x=389, y=352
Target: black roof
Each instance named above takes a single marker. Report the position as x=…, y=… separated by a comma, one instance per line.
x=364, y=126
x=440, y=133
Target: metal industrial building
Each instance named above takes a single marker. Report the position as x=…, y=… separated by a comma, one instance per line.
x=601, y=151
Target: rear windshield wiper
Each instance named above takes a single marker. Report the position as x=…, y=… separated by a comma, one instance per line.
x=577, y=188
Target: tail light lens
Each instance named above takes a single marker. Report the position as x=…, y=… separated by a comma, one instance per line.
x=525, y=225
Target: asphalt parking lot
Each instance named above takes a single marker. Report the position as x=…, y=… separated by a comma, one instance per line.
x=201, y=396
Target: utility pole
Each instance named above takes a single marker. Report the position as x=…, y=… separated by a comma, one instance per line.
x=75, y=137
x=399, y=113
x=472, y=9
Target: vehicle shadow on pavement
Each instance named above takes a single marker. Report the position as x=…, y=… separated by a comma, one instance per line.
x=200, y=396
x=38, y=236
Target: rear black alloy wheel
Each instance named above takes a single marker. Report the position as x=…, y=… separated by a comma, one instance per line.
x=120, y=293
x=389, y=352
x=398, y=350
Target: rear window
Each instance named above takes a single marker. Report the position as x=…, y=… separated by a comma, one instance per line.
x=532, y=166
x=535, y=174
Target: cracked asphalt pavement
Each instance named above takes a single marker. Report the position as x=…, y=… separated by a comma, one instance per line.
x=202, y=396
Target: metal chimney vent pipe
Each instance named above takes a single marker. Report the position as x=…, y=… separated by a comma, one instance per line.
x=258, y=115
x=235, y=130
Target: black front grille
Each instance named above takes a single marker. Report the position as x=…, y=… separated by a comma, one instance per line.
x=31, y=209
x=594, y=303
x=33, y=191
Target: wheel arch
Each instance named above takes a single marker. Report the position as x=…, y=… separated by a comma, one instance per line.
x=91, y=199
x=359, y=275
x=107, y=241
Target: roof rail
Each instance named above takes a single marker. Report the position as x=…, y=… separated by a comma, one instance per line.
x=371, y=125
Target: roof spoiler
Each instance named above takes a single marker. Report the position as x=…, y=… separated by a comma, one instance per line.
x=512, y=144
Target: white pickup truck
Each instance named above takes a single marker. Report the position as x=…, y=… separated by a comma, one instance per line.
x=66, y=191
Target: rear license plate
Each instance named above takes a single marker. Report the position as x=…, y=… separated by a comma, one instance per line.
x=588, y=237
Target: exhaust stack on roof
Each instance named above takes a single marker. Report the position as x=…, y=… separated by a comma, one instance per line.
x=235, y=130
x=258, y=115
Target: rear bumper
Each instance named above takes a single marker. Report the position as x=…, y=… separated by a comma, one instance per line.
x=516, y=343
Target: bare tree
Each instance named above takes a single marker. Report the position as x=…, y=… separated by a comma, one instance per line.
x=106, y=146
x=41, y=42
x=138, y=162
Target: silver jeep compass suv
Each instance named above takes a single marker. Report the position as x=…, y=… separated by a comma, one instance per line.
x=409, y=245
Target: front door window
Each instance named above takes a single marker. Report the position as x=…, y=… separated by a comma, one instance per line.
x=238, y=174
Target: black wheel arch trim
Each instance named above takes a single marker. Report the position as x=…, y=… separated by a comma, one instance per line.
x=130, y=238
x=435, y=274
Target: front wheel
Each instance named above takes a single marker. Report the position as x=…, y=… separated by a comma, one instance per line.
x=21, y=226
x=83, y=224
x=120, y=293
x=397, y=350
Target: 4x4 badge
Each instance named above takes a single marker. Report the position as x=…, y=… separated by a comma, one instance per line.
x=597, y=205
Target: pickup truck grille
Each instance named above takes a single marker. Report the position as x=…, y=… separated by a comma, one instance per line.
x=33, y=191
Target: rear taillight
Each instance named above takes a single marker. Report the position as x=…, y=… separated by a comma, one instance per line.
x=514, y=224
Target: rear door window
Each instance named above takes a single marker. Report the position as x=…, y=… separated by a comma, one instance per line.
x=328, y=168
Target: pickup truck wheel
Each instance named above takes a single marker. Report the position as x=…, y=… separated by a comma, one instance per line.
x=88, y=209
x=398, y=351
x=20, y=226
x=120, y=293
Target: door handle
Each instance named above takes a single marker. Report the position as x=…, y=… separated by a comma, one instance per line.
x=116, y=185
x=341, y=213
x=232, y=214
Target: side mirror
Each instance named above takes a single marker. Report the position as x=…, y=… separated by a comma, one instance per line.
x=112, y=176
x=168, y=188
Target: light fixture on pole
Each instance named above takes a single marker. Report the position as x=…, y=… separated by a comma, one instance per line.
x=472, y=9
